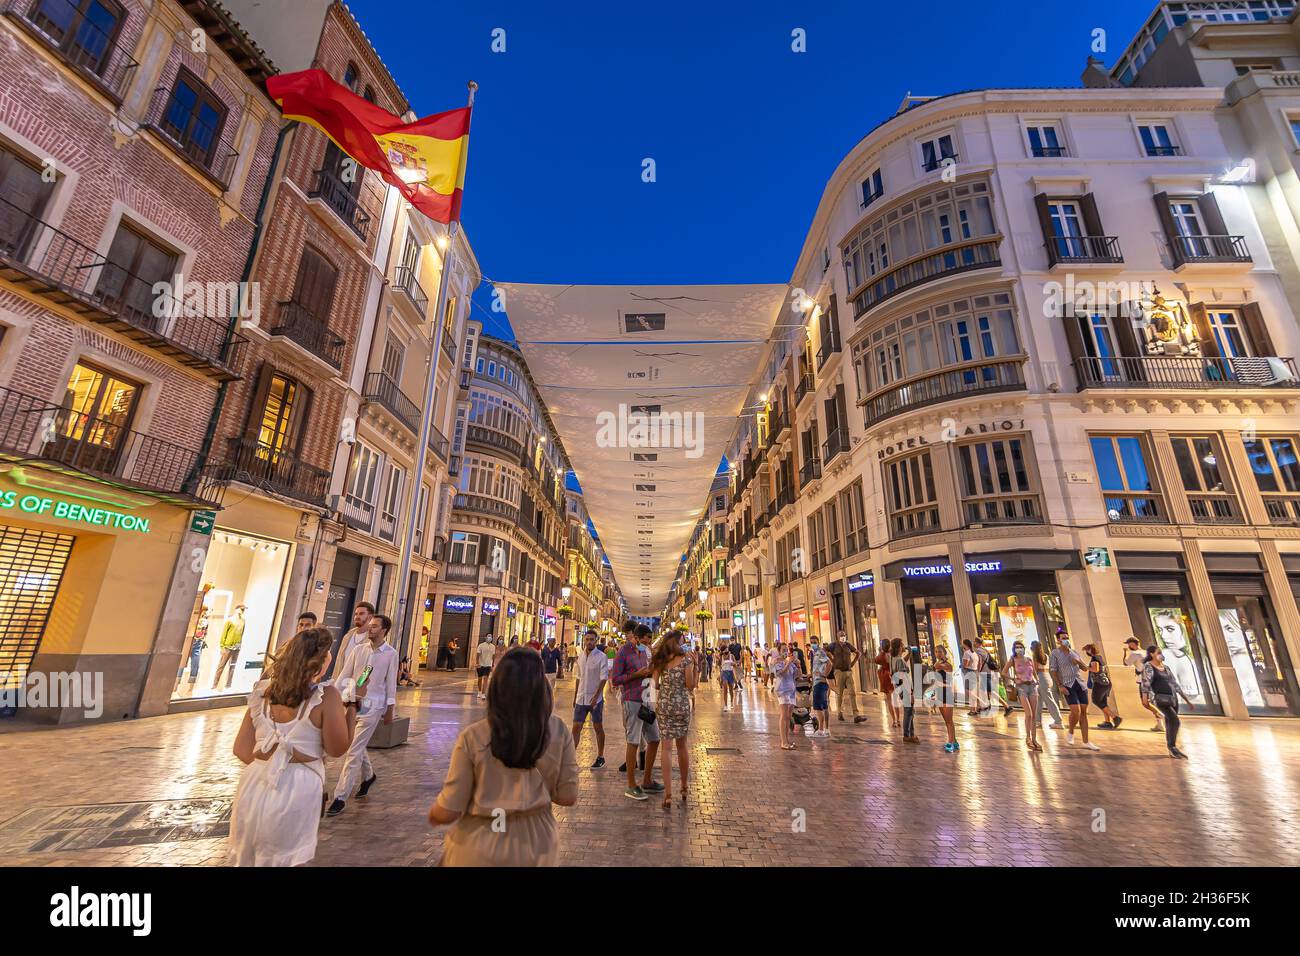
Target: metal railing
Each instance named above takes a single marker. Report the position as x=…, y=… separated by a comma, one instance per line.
x=810, y=471
x=937, y=162
x=1282, y=508
x=836, y=442
x=989, y=375
x=50, y=263
x=62, y=26
x=1048, y=152
x=383, y=390
x=805, y=387
x=439, y=445
x=404, y=281
x=357, y=513
x=460, y=573
x=254, y=463
x=961, y=257
x=202, y=146
x=830, y=345
x=482, y=435
x=1083, y=249
x=345, y=204
x=780, y=423
x=1134, y=507
x=487, y=506
x=296, y=324
x=32, y=427
x=1208, y=249
x=1215, y=508
x=1186, y=371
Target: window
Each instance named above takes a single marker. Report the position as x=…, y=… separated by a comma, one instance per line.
x=422, y=517
x=1156, y=139
x=1256, y=65
x=1199, y=459
x=1229, y=333
x=313, y=289
x=1276, y=466
x=1099, y=344
x=854, y=516
x=84, y=30
x=449, y=328
x=98, y=408
x=464, y=547
x=351, y=77
x=1126, y=481
x=362, y=483
x=935, y=151
x=1067, y=226
x=997, y=483
x=1295, y=128
x=275, y=429
x=1045, y=141
x=193, y=118
x=25, y=194
x=872, y=189
x=910, y=495
x=134, y=263
x=392, y=502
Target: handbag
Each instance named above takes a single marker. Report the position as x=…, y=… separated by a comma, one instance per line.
x=646, y=714
x=1165, y=700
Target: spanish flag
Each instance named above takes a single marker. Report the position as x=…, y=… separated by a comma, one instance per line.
x=424, y=160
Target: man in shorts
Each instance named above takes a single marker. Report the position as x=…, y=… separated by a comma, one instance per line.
x=821, y=691
x=631, y=669
x=1071, y=673
x=485, y=654
x=589, y=696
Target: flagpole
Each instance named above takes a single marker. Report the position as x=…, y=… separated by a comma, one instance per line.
x=403, y=613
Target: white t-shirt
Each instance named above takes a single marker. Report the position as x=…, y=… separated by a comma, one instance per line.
x=968, y=660
x=486, y=651
x=592, y=668
x=1135, y=660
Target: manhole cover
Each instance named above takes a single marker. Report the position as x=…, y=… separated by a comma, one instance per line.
x=717, y=751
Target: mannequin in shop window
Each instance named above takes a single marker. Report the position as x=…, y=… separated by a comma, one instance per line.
x=232, y=639
x=198, y=641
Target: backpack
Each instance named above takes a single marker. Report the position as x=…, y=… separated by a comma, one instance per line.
x=841, y=656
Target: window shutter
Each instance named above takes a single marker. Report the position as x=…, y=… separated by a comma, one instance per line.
x=1212, y=215
x=1045, y=223
x=313, y=289
x=1074, y=339
x=1125, y=335
x=1257, y=328
x=1166, y=217
x=1091, y=217
x=298, y=417
x=1201, y=322
x=257, y=403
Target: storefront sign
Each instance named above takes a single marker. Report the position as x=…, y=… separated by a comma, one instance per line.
x=510, y=609
x=939, y=570
x=1097, y=559
x=737, y=618
x=491, y=606
x=864, y=580
x=951, y=432
x=458, y=604
x=202, y=522
x=75, y=513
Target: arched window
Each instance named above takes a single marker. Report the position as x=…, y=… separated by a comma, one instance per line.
x=351, y=77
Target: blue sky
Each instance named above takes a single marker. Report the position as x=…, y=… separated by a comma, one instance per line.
x=743, y=131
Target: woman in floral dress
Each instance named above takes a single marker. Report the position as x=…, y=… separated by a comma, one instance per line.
x=674, y=676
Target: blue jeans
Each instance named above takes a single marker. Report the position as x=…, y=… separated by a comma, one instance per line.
x=908, y=714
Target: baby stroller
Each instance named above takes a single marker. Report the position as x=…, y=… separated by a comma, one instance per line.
x=802, y=713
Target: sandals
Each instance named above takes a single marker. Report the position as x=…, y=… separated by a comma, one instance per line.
x=787, y=746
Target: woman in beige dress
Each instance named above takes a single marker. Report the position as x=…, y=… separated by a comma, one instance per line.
x=506, y=771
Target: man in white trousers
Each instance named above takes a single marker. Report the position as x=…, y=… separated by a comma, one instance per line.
x=374, y=703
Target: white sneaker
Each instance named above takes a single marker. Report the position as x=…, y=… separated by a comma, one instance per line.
x=1090, y=746
x=1070, y=740
x=822, y=733
x=1055, y=725
x=1159, y=727
x=482, y=696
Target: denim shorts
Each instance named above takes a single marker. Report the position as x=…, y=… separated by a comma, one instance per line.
x=821, y=697
x=1076, y=694
x=1026, y=689
x=597, y=711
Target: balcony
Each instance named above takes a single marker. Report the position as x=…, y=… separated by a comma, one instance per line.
x=780, y=424
x=1282, y=509
x=836, y=442
x=486, y=506
x=461, y=573
x=830, y=345
x=453, y=466
x=1188, y=250
x=33, y=429
x=1215, y=508
x=253, y=463
x=937, y=162
x=1049, y=152
x=439, y=445
x=784, y=498
x=1186, y=371
x=48, y=263
x=357, y=513
x=382, y=390
x=90, y=52
x=299, y=326
x=479, y=435
x=404, y=281
x=207, y=149
x=940, y=264
x=1134, y=507
x=805, y=387
x=337, y=195
x=930, y=388
x=810, y=472
x=1079, y=250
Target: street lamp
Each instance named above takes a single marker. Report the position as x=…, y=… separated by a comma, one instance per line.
x=704, y=597
x=564, y=595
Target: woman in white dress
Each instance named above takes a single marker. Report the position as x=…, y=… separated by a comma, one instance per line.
x=292, y=720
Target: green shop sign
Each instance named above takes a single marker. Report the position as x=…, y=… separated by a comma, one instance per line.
x=70, y=511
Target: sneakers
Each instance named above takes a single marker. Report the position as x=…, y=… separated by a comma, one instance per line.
x=600, y=762
x=635, y=793
x=1070, y=740
x=1159, y=727
x=654, y=786
x=366, y=785
x=1177, y=754
x=1105, y=725
x=1118, y=721
x=482, y=696
x=858, y=720
x=335, y=809
x=1055, y=725
x=950, y=748
x=622, y=768
x=1090, y=746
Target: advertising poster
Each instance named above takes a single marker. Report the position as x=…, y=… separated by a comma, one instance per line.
x=1170, y=629
x=943, y=627
x=1018, y=624
x=1239, y=640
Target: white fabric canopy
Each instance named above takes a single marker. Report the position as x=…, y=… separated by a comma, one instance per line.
x=644, y=384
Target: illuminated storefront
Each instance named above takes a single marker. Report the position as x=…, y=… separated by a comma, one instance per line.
x=862, y=596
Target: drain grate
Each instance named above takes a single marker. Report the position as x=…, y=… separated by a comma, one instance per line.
x=722, y=751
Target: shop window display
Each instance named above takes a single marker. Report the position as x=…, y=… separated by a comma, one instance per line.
x=1171, y=624
x=238, y=604
x=1260, y=661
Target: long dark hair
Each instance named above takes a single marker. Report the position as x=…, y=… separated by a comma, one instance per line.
x=666, y=651
x=295, y=665
x=519, y=708
x=896, y=647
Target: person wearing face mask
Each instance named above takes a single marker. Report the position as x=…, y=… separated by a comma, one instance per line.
x=1162, y=687
x=1020, y=670
x=1071, y=673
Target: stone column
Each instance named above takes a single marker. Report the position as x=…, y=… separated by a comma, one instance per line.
x=1220, y=662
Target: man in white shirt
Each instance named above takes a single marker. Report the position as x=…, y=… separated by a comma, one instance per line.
x=373, y=701
x=1136, y=659
x=359, y=634
x=485, y=654
x=589, y=696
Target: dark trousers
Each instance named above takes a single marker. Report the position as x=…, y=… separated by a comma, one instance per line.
x=1172, y=723
x=909, y=713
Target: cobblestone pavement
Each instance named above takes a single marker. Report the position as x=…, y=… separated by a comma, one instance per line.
x=157, y=791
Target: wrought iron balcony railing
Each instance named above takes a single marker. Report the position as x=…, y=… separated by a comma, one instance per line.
x=1186, y=371
x=836, y=442
x=62, y=26
x=805, y=387
x=254, y=463
x=986, y=375
x=938, y=264
x=1187, y=249
x=405, y=282
x=1080, y=249
x=330, y=190
x=295, y=323
x=811, y=471
x=381, y=389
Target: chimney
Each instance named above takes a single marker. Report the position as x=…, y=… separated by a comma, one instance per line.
x=1095, y=76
